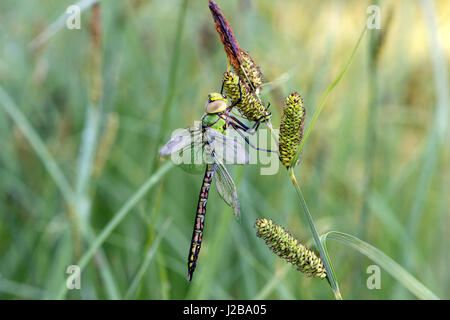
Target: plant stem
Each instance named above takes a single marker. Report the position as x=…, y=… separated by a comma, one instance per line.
x=325, y=95
x=172, y=81
x=272, y=132
x=117, y=219
x=327, y=263
x=370, y=145
x=381, y=259
x=167, y=107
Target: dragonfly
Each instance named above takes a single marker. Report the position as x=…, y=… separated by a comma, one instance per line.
x=208, y=143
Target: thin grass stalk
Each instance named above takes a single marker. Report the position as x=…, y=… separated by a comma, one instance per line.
x=58, y=24
x=160, y=260
x=88, y=149
x=370, y=139
x=89, y=137
x=439, y=125
x=104, y=270
x=166, y=112
x=370, y=144
x=48, y=161
x=165, y=117
x=272, y=281
x=437, y=134
x=172, y=80
x=117, y=219
x=381, y=259
x=166, y=109
x=271, y=285
x=148, y=258
x=331, y=276
x=327, y=92
x=39, y=147
x=21, y=290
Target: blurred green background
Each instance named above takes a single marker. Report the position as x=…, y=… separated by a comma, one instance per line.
x=375, y=166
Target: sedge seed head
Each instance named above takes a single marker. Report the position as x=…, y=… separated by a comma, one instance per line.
x=291, y=128
x=283, y=244
x=229, y=41
x=244, y=99
x=241, y=60
x=252, y=72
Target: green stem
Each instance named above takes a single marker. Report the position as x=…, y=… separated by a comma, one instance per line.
x=381, y=259
x=167, y=107
x=370, y=145
x=272, y=132
x=117, y=219
x=327, y=263
x=172, y=81
x=325, y=95
x=39, y=147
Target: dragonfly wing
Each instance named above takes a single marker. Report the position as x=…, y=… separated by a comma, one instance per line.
x=229, y=149
x=186, y=149
x=181, y=139
x=226, y=188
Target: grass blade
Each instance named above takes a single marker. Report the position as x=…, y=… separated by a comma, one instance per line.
x=267, y=289
x=331, y=276
x=118, y=217
x=325, y=95
x=21, y=290
x=148, y=258
x=59, y=23
x=174, y=64
x=38, y=145
x=377, y=256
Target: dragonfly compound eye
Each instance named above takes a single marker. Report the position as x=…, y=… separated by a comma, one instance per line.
x=216, y=103
x=216, y=106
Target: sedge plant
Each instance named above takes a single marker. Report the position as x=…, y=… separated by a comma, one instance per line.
x=244, y=88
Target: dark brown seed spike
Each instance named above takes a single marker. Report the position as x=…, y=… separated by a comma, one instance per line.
x=226, y=35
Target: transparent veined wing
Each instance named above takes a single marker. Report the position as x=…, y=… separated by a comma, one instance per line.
x=226, y=187
x=228, y=149
x=186, y=149
x=181, y=139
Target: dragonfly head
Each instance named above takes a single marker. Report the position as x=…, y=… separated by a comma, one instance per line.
x=216, y=103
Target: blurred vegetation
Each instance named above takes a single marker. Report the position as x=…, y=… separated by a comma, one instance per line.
x=375, y=166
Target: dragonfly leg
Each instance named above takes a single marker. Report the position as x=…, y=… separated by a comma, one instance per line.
x=258, y=122
x=263, y=118
x=221, y=89
x=249, y=130
x=238, y=129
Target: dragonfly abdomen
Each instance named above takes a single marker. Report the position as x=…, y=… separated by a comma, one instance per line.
x=197, y=234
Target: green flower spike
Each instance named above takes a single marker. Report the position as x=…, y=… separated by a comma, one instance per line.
x=249, y=105
x=252, y=72
x=290, y=249
x=291, y=128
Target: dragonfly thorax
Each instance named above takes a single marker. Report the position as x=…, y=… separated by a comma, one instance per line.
x=215, y=121
x=216, y=103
